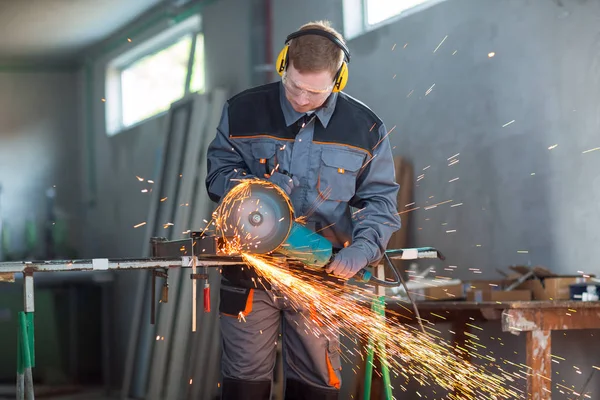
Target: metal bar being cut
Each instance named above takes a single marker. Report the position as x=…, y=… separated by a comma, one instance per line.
x=103, y=264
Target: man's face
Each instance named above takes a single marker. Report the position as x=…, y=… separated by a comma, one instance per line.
x=306, y=91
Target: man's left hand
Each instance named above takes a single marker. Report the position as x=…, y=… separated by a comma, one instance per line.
x=347, y=262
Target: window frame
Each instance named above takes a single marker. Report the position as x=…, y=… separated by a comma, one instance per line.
x=114, y=70
x=357, y=23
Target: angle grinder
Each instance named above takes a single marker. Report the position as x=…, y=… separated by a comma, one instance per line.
x=259, y=216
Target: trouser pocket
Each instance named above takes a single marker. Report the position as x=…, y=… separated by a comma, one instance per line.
x=235, y=300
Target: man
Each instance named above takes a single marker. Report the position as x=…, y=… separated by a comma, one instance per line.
x=329, y=152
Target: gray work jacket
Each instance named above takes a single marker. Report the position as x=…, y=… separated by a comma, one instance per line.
x=341, y=157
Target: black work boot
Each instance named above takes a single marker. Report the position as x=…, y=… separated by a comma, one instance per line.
x=236, y=389
x=296, y=390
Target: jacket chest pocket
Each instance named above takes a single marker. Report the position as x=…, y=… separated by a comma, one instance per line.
x=263, y=157
x=338, y=173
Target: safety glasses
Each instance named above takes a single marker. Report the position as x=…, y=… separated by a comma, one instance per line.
x=296, y=89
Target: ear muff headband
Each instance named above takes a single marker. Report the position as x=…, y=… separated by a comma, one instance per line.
x=341, y=77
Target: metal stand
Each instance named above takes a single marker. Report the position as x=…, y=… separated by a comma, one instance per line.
x=25, y=343
x=26, y=336
x=378, y=307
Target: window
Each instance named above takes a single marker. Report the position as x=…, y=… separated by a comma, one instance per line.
x=146, y=80
x=380, y=10
x=361, y=16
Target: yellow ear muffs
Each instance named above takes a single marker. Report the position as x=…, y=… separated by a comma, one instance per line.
x=341, y=78
x=282, y=60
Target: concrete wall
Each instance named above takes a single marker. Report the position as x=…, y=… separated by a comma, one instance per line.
x=118, y=203
x=39, y=148
x=545, y=76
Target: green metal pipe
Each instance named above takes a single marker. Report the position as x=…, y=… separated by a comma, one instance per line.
x=378, y=306
x=387, y=384
x=24, y=361
x=369, y=370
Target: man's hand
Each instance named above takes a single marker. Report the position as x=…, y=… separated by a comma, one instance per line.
x=285, y=182
x=347, y=262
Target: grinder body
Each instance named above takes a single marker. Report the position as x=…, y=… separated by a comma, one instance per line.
x=306, y=246
x=312, y=249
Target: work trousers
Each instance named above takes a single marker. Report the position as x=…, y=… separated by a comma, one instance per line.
x=250, y=321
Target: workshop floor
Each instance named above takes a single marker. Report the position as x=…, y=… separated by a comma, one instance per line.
x=8, y=392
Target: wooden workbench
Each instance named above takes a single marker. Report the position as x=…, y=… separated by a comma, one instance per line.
x=536, y=318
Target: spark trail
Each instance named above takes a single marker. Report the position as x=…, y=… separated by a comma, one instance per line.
x=410, y=353
x=347, y=309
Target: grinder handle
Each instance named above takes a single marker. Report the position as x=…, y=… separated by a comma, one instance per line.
x=364, y=275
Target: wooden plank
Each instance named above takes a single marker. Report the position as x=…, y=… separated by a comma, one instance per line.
x=473, y=305
x=550, y=319
x=182, y=307
x=173, y=319
x=200, y=208
x=140, y=336
x=564, y=304
x=452, y=305
x=539, y=377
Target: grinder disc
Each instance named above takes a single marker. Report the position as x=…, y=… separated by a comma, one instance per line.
x=261, y=218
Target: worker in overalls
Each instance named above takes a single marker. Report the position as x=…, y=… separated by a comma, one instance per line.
x=326, y=150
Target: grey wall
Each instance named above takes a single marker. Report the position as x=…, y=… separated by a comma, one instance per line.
x=545, y=76
x=118, y=203
x=39, y=148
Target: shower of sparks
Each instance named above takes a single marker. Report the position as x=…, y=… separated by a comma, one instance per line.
x=437, y=204
x=429, y=90
x=443, y=40
x=552, y=147
x=491, y=54
x=590, y=150
x=508, y=123
x=409, y=353
x=140, y=224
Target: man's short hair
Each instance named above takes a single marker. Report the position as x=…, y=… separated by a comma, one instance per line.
x=313, y=53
